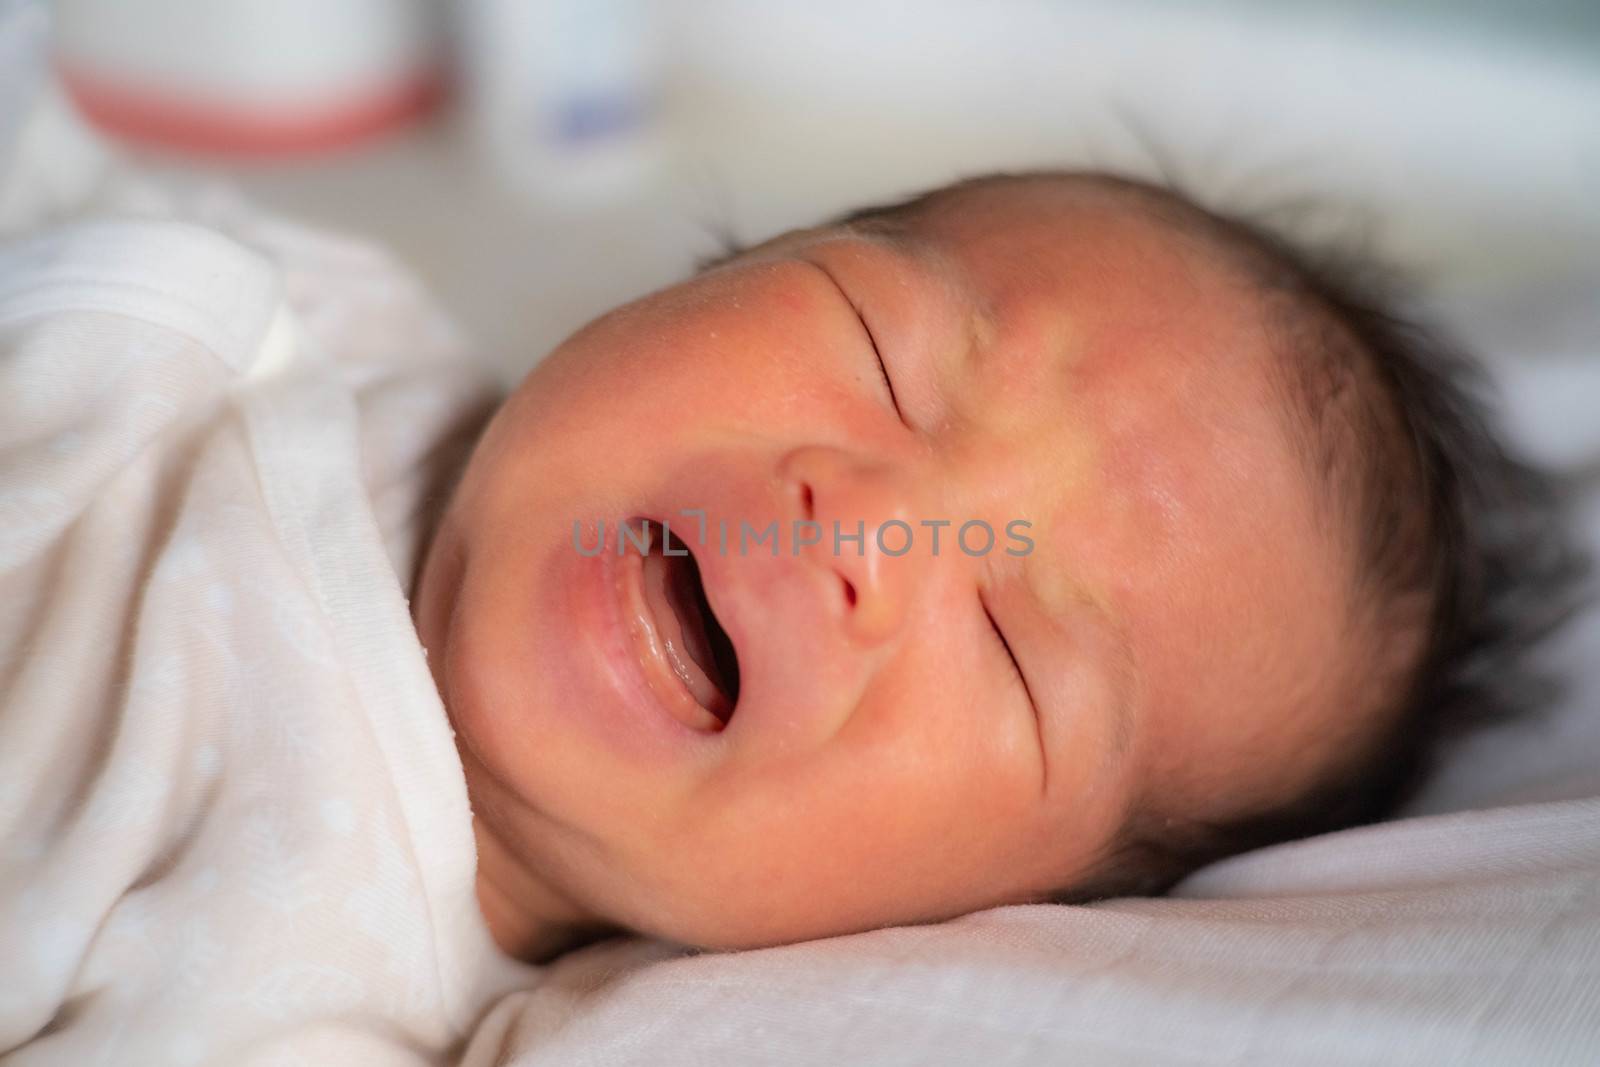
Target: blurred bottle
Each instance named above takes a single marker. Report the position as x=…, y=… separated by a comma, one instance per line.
x=564, y=96
x=249, y=77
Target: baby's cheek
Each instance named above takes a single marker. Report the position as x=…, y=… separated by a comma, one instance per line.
x=959, y=706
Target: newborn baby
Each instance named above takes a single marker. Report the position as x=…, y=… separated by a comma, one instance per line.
x=1038, y=539
x=1204, y=571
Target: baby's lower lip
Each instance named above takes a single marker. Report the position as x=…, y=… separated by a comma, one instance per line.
x=669, y=690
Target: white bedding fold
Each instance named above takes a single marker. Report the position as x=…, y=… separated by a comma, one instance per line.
x=1471, y=938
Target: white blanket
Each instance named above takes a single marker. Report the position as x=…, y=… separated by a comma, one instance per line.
x=233, y=826
x=1452, y=940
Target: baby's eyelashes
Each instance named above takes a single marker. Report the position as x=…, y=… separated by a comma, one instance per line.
x=872, y=342
x=883, y=369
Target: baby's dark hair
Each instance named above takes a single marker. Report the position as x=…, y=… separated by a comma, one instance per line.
x=1461, y=547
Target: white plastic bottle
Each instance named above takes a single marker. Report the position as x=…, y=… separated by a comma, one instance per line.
x=565, y=96
x=250, y=77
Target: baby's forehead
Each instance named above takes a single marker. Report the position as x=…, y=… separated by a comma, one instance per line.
x=1092, y=301
x=1056, y=242
x=1096, y=306
x=1110, y=278
x=1085, y=280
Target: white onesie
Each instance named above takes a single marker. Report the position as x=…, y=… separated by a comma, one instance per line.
x=233, y=825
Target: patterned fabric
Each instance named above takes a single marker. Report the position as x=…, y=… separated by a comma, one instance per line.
x=233, y=825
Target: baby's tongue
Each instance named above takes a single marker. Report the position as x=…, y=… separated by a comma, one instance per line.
x=669, y=590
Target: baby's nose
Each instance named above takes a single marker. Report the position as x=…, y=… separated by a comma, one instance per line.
x=857, y=519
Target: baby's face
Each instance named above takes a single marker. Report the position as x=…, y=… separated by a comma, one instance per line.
x=914, y=735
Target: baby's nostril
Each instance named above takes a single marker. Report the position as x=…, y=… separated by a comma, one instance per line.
x=849, y=593
x=805, y=501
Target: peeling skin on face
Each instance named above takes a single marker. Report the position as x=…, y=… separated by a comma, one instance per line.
x=919, y=736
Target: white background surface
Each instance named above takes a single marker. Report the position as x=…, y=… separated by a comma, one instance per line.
x=1475, y=156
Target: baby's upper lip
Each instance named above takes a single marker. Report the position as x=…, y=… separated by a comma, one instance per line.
x=773, y=612
x=795, y=672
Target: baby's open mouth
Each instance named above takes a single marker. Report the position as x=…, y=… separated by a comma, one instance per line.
x=678, y=621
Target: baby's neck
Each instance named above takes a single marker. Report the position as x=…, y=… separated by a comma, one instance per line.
x=526, y=919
